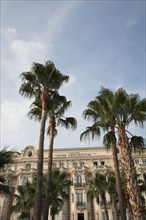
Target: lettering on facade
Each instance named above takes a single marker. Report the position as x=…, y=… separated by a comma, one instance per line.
x=76, y=154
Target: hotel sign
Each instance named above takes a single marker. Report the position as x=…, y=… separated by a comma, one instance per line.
x=74, y=154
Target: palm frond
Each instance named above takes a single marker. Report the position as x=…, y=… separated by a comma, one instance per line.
x=68, y=122
x=137, y=143
x=91, y=131
x=109, y=139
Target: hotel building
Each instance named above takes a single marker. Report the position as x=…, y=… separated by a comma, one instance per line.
x=82, y=164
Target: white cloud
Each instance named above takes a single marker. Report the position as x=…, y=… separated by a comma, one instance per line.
x=16, y=127
x=26, y=51
x=9, y=33
x=18, y=54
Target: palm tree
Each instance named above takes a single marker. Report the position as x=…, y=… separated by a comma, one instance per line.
x=113, y=194
x=55, y=113
x=6, y=158
x=130, y=109
x=59, y=191
x=41, y=82
x=124, y=110
x=100, y=112
x=24, y=200
x=98, y=188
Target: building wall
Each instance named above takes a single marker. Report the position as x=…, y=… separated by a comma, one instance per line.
x=81, y=164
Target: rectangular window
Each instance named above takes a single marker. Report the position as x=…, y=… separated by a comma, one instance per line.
x=103, y=216
x=144, y=161
x=54, y=165
x=136, y=161
x=120, y=163
x=102, y=163
x=61, y=165
x=95, y=163
x=81, y=163
x=72, y=197
x=74, y=164
x=79, y=197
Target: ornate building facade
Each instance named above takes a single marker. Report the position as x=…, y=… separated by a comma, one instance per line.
x=82, y=164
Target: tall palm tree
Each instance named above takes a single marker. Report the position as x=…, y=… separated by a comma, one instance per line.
x=55, y=113
x=98, y=187
x=124, y=110
x=6, y=158
x=130, y=109
x=41, y=82
x=99, y=111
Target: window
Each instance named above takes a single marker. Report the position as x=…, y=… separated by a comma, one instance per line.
x=29, y=154
x=103, y=216
x=95, y=163
x=144, y=176
x=25, y=180
x=102, y=163
x=79, y=198
x=79, y=180
x=72, y=197
x=28, y=166
x=61, y=165
x=136, y=161
x=120, y=163
x=144, y=161
x=54, y=165
x=81, y=163
x=74, y=164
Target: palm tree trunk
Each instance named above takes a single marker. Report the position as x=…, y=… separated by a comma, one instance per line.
x=129, y=209
x=49, y=175
x=115, y=211
x=92, y=209
x=38, y=194
x=105, y=206
x=131, y=177
x=118, y=184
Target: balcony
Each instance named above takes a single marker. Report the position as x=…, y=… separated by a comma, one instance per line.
x=79, y=185
x=80, y=205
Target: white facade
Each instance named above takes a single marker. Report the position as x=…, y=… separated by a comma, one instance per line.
x=82, y=164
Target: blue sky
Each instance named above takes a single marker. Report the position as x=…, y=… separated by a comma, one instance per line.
x=97, y=43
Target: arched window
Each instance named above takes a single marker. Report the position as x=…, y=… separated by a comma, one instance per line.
x=28, y=166
x=30, y=154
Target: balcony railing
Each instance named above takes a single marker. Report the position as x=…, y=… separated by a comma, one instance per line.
x=79, y=184
x=80, y=204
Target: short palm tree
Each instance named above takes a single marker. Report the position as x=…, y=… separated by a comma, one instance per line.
x=55, y=113
x=6, y=158
x=59, y=191
x=113, y=194
x=98, y=188
x=41, y=82
x=24, y=200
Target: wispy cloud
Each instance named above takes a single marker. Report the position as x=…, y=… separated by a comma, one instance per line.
x=132, y=20
x=57, y=20
x=134, y=15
